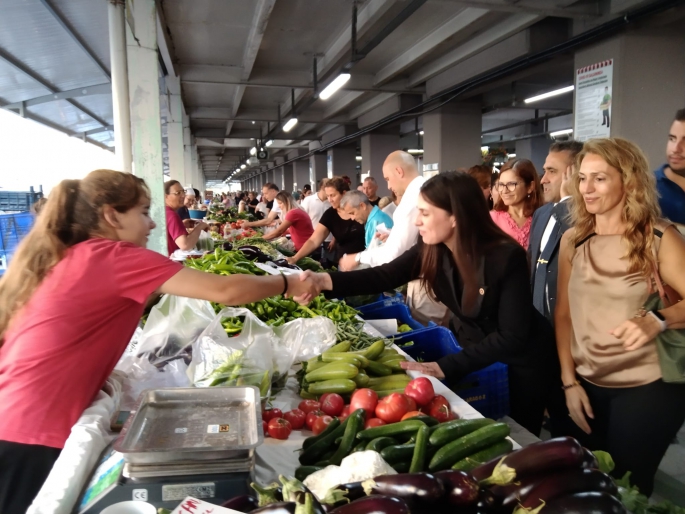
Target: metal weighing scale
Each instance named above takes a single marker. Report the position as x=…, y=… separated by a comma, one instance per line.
x=178, y=443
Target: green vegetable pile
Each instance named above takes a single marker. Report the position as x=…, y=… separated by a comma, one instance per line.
x=266, y=247
x=222, y=214
x=223, y=262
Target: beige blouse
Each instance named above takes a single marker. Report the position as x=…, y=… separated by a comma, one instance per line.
x=602, y=295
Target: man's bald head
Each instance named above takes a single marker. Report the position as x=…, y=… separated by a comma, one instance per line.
x=399, y=169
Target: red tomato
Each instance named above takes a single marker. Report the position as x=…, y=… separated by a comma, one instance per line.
x=265, y=428
x=391, y=408
x=332, y=404
x=411, y=404
x=307, y=406
x=439, y=408
x=420, y=390
x=296, y=417
x=366, y=399
x=412, y=414
x=311, y=418
x=344, y=414
x=271, y=414
x=374, y=422
x=320, y=424
x=279, y=428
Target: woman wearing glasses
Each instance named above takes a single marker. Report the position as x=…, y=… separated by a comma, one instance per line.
x=176, y=234
x=520, y=195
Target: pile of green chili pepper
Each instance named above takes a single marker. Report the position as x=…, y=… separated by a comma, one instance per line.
x=352, y=331
x=224, y=262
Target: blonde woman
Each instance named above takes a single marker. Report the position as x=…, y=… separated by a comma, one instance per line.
x=294, y=218
x=609, y=364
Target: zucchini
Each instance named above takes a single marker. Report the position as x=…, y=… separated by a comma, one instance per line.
x=332, y=371
x=382, y=393
x=458, y=449
x=457, y=428
x=379, y=443
x=418, y=459
x=394, y=365
x=389, y=382
x=391, y=357
x=409, y=426
x=304, y=471
x=358, y=360
x=339, y=385
x=340, y=347
x=361, y=379
x=398, y=453
x=373, y=352
x=310, y=366
x=377, y=369
x=483, y=456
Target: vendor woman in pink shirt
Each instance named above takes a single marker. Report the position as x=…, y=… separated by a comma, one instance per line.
x=69, y=304
x=520, y=194
x=294, y=218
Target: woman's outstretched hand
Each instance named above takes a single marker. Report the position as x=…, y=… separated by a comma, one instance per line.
x=427, y=368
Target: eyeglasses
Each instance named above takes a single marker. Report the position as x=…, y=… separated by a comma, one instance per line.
x=176, y=193
x=509, y=186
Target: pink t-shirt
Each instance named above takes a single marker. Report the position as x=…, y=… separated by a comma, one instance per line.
x=174, y=229
x=65, y=342
x=504, y=221
x=301, y=228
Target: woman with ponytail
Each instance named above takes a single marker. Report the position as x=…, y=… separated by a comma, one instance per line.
x=70, y=302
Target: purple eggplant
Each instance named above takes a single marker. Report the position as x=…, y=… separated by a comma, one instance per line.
x=485, y=470
x=538, y=458
x=487, y=503
x=567, y=482
x=243, y=503
x=589, y=460
x=276, y=508
x=412, y=487
x=508, y=496
x=376, y=504
x=585, y=503
x=461, y=487
x=344, y=494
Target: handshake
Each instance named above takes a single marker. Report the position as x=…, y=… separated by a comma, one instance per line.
x=305, y=286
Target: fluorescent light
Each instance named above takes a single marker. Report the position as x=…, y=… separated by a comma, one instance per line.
x=561, y=132
x=414, y=151
x=243, y=167
x=484, y=148
x=359, y=157
x=556, y=92
x=421, y=133
x=337, y=83
x=253, y=150
x=269, y=142
x=511, y=155
x=289, y=124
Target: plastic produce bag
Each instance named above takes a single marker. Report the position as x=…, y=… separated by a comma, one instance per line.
x=245, y=359
x=205, y=243
x=302, y=339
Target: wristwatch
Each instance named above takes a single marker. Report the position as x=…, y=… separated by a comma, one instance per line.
x=660, y=318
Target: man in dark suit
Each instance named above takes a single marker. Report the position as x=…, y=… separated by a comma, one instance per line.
x=549, y=224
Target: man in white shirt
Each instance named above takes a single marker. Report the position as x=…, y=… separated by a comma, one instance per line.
x=269, y=192
x=315, y=205
x=549, y=224
x=399, y=170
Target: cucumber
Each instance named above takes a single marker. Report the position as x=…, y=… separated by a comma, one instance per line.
x=454, y=451
x=428, y=420
x=418, y=459
x=355, y=424
x=377, y=369
x=409, y=426
x=314, y=451
x=332, y=371
x=379, y=443
x=483, y=456
x=401, y=467
x=457, y=428
x=361, y=447
x=304, y=471
x=329, y=428
x=339, y=385
x=398, y=453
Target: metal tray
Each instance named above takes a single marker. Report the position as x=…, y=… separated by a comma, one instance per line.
x=173, y=469
x=192, y=424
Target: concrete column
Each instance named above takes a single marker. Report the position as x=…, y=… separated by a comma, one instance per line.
x=187, y=146
x=648, y=86
x=317, y=168
x=143, y=76
x=120, y=97
x=341, y=160
x=452, y=136
x=193, y=165
x=175, y=139
x=301, y=174
x=288, y=178
x=375, y=149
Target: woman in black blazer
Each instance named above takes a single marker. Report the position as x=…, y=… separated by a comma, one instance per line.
x=481, y=275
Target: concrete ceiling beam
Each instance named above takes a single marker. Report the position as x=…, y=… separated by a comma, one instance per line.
x=584, y=12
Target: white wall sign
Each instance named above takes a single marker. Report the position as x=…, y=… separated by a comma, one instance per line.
x=592, y=108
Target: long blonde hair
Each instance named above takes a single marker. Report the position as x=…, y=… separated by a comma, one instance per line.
x=641, y=209
x=72, y=214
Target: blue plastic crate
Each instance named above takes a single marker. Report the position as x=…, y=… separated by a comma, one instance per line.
x=13, y=228
x=486, y=390
x=397, y=311
x=384, y=300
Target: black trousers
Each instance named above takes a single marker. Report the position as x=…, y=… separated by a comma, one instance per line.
x=23, y=469
x=635, y=425
x=605, y=117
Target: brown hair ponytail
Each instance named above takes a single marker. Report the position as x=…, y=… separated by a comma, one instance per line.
x=71, y=215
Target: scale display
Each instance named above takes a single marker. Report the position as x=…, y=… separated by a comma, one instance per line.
x=104, y=478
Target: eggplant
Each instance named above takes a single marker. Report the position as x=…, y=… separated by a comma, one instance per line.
x=376, y=504
x=344, y=493
x=277, y=508
x=243, y=503
x=538, y=458
x=412, y=487
x=485, y=470
x=461, y=487
x=589, y=460
x=568, y=482
x=227, y=246
x=585, y=503
x=508, y=496
x=487, y=502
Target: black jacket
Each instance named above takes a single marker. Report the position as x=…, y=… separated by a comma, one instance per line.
x=549, y=259
x=507, y=328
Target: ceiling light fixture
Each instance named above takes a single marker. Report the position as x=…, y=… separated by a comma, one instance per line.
x=511, y=155
x=293, y=118
x=269, y=142
x=421, y=133
x=337, y=83
x=556, y=92
x=414, y=151
x=253, y=150
x=359, y=157
x=243, y=167
x=484, y=148
x=561, y=132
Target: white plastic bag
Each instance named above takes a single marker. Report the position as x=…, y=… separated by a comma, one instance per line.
x=302, y=339
x=205, y=243
x=245, y=359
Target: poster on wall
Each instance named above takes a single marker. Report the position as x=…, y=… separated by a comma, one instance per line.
x=593, y=101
